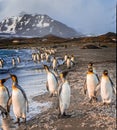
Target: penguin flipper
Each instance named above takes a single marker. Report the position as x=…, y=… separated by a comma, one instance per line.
x=97, y=89
x=60, y=88
x=27, y=106
x=64, y=62
x=111, y=81
x=85, y=87
x=7, y=91
x=47, y=87
x=73, y=62
x=9, y=103
x=97, y=77
x=3, y=110
x=55, y=77
x=114, y=90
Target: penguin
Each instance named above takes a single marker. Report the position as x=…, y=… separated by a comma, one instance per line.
x=47, y=56
x=18, y=59
x=42, y=56
x=64, y=92
x=72, y=58
x=54, y=64
x=4, y=95
x=34, y=57
x=13, y=62
x=18, y=100
x=91, y=82
x=91, y=65
x=65, y=57
x=1, y=63
x=38, y=57
x=107, y=88
x=52, y=81
x=69, y=63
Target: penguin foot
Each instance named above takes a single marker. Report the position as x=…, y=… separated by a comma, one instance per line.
x=24, y=121
x=4, y=114
x=90, y=101
x=17, y=122
x=106, y=104
x=51, y=95
x=95, y=99
x=63, y=116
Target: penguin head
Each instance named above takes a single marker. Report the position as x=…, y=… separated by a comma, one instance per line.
x=63, y=75
x=68, y=57
x=105, y=72
x=2, y=81
x=72, y=55
x=90, y=64
x=46, y=68
x=90, y=69
x=14, y=78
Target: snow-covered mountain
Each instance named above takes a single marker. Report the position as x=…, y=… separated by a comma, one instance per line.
x=36, y=25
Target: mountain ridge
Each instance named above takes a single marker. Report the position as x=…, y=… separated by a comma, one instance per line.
x=36, y=25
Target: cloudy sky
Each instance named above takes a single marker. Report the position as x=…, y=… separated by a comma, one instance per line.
x=86, y=16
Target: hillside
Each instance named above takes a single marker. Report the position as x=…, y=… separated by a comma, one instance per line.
x=108, y=39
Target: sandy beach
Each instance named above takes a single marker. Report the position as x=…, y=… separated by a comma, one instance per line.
x=84, y=115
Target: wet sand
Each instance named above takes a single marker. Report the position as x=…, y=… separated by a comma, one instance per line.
x=84, y=115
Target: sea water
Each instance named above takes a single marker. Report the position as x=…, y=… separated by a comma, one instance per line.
x=31, y=77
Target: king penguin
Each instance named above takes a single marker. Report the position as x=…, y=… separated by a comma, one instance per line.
x=4, y=95
x=1, y=63
x=18, y=100
x=64, y=92
x=107, y=88
x=91, y=82
x=52, y=82
x=91, y=65
x=55, y=64
x=65, y=57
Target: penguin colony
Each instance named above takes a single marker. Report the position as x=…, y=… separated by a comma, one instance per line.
x=57, y=85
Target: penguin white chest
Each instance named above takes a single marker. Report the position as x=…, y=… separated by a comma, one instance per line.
x=65, y=95
x=54, y=63
x=3, y=97
x=19, y=103
x=91, y=82
x=106, y=89
x=52, y=83
x=68, y=63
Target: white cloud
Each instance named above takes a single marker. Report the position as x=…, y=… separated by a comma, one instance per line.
x=89, y=16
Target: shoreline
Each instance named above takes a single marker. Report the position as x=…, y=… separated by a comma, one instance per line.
x=85, y=116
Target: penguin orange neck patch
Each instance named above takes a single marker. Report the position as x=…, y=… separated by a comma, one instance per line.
x=14, y=87
x=89, y=72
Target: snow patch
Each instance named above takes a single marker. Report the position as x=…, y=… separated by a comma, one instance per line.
x=52, y=20
x=46, y=24
x=51, y=29
x=33, y=25
x=11, y=28
x=19, y=28
x=27, y=21
x=27, y=29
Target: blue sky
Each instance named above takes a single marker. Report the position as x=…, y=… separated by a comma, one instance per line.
x=86, y=16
